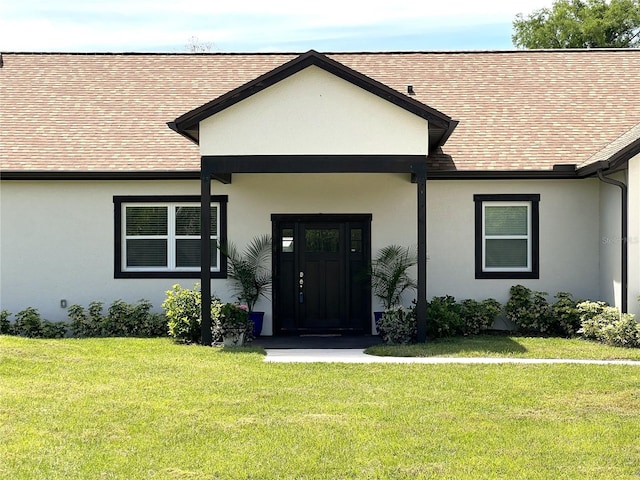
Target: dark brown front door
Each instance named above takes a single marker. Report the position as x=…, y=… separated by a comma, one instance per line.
x=320, y=284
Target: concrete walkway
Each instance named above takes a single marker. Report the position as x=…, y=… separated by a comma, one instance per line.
x=329, y=355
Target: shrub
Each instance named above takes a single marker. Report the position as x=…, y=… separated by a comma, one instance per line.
x=565, y=315
x=154, y=325
x=28, y=323
x=443, y=317
x=529, y=310
x=624, y=332
x=183, y=311
x=86, y=324
x=398, y=325
x=122, y=320
x=5, y=324
x=594, y=316
x=54, y=329
x=133, y=320
x=605, y=324
x=182, y=308
x=478, y=316
x=118, y=321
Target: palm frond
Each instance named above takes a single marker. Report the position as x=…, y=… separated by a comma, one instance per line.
x=389, y=273
x=249, y=270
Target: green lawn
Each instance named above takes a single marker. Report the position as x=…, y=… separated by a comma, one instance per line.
x=149, y=409
x=509, y=346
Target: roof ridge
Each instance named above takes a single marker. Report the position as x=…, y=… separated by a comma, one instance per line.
x=358, y=52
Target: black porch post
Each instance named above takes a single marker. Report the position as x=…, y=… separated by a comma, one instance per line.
x=205, y=256
x=421, y=306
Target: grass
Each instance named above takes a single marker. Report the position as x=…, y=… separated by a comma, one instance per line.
x=150, y=409
x=508, y=346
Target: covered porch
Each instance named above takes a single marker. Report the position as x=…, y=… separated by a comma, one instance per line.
x=314, y=116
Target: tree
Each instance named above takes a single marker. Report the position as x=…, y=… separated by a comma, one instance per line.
x=194, y=45
x=580, y=24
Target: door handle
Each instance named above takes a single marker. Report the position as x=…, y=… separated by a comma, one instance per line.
x=301, y=286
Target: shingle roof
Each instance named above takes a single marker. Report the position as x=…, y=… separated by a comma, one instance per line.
x=622, y=148
x=521, y=110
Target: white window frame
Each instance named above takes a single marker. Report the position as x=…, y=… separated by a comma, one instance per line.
x=171, y=237
x=527, y=237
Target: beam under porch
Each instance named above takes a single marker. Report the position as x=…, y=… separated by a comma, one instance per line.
x=228, y=164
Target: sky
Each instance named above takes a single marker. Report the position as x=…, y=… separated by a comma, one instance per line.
x=259, y=25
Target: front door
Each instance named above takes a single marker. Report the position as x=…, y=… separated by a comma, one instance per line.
x=320, y=283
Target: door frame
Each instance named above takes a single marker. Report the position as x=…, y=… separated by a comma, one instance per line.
x=322, y=218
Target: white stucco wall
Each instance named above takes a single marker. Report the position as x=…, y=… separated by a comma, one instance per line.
x=313, y=112
x=57, y=243
x=57, y=237
x=611, y=241
x=634, y=235
x=569, y=240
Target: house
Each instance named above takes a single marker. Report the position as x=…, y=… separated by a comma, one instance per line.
x=502, y=167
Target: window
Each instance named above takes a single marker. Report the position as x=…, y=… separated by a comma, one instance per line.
x=507, y=236
x=287, y=240
x=159, y=237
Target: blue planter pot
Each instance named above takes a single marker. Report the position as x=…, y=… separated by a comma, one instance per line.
x=257, y=318
x=377, y=316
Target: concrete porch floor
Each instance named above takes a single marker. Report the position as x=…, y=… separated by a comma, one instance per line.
x=317, y=342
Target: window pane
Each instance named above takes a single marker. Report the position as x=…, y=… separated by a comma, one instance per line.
x=188, y=253
x=214, y=255
x=325, y=240
x=147, y=253
x=506, y=253
x=507, y=220
x=188, y=220
x=287, y=240
x=356, y=240
x=146, y=220
x=214, y=220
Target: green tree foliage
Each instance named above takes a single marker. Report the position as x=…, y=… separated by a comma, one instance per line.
x=580, y=24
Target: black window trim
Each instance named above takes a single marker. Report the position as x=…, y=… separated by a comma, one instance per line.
x=118, y=200
x=479, y=200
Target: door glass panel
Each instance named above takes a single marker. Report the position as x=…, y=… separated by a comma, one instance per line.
x=287, y=240
x=356, y=240
x=322, y=240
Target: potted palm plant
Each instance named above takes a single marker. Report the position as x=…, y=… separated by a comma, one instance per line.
x=250, y=272
x=390, y=277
